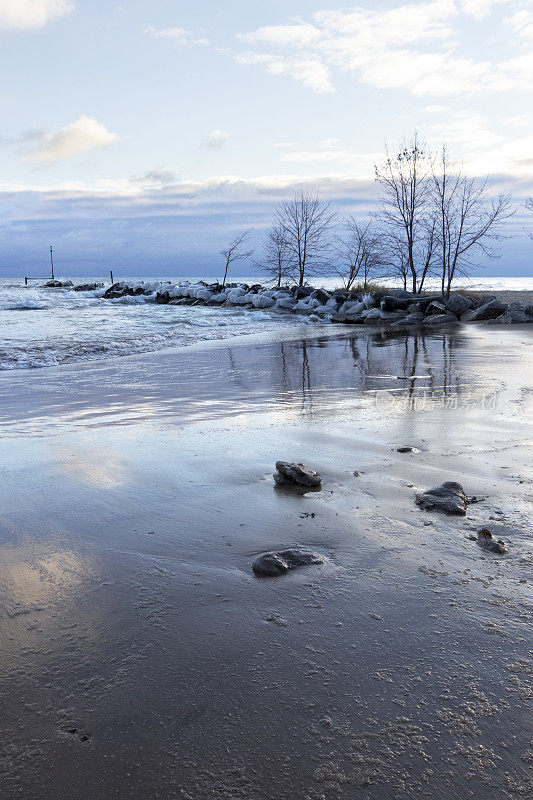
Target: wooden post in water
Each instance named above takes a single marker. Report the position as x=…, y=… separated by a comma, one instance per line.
x=111, y=273
x=52, y=261
x=25, y=281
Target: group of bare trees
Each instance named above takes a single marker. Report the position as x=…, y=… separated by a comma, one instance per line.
x=438, y=220
x=432, y=221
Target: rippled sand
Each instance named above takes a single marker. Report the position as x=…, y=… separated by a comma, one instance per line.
x=139, y=655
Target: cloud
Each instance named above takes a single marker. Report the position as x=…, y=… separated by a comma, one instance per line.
x=31, y=13
x=413, y=47
x=216, y=139
x=178, y=35
x=158, y=176
x=73, y=140
x=522, y=23
x=299, y=35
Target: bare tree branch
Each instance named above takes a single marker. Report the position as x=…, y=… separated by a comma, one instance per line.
x=234, y=251
x=275, y=260
x=360, y=253
x=405, y=181
x=469, y=219
x=306, y=225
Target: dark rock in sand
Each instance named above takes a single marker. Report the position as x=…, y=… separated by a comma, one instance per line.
x=489, y=310
x=273, y=564
x=296, y=474
x=449, y=497
x=486, y=540
x=458, y=304
x=406, y=448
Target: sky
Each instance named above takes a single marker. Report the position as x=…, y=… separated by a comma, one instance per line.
x=141, y=136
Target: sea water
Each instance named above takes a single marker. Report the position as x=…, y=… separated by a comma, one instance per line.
x=42, y=326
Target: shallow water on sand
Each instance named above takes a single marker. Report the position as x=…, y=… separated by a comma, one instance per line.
x=140, y=657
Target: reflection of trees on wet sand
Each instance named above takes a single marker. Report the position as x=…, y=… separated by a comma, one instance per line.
x=310, y=373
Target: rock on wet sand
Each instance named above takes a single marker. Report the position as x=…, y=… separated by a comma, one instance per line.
x=297, y=474
x=279, y=563
x=449, y=497
x=486, y=540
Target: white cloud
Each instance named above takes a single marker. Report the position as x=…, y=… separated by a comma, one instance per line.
x=311, y=72
x=299, y=35
x=480, y=8
x=73, y=140
x=158, y=176
x=522, y=23
x=31, y=13
x=413, y=47
x=216, y=139
x=482, y=150
x=178, y=35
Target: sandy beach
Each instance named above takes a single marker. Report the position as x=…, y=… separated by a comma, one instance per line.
x=141, y=657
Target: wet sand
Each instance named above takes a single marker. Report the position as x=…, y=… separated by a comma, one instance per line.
x=139, y=655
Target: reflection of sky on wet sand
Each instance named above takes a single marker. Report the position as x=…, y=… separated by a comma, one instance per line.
x=41, y=580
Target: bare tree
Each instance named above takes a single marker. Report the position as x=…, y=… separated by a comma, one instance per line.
x=397, y=259
x=405, y=181
x=235, y=252
x=528, y=203
x=306, y=224
x=275, y=260
x=360, y=253
x=468, y=218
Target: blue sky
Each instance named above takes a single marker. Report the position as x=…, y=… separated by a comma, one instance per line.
x=141, y=135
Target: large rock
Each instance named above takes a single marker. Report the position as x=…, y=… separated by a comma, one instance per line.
x=54, y=284
x=116, y=290
x=162, y=298
x=348, y=319
x=87, y=287
x=394, y=303
x=296, y=474
x=273, y=563
x=436, y=307
x=263, y=301
x=287, y=303
x=411, y=320
x=321, y=296
x=449, y=498
x=436, y=320
x=489, y=310
x=375, y=316
x=424, y=301
x=458, y=304
x=529, y=310
x=515, y=315
x=302, y=291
